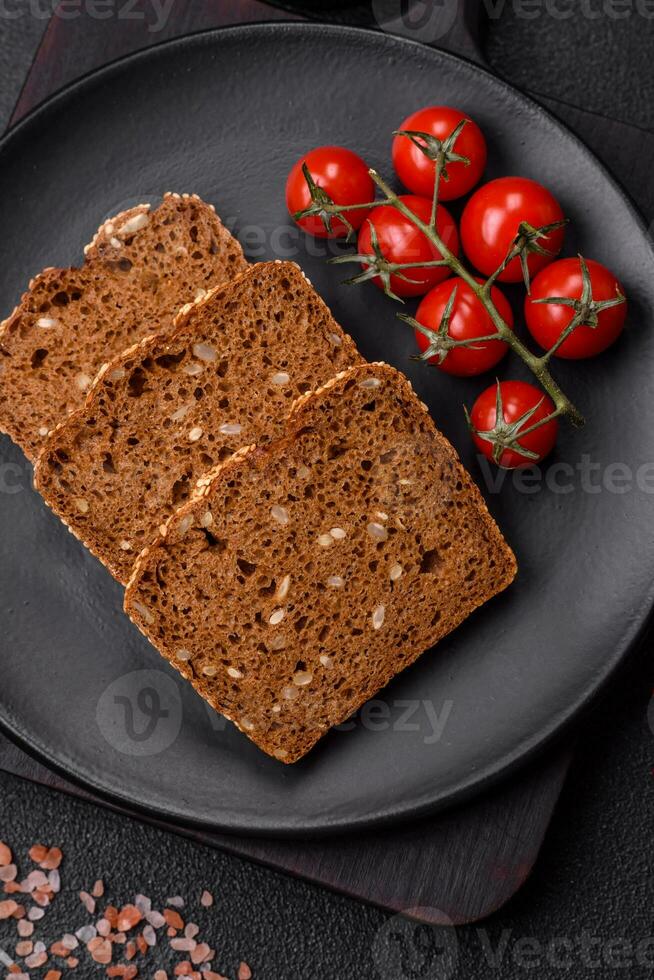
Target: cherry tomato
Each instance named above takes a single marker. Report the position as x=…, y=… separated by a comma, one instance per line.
x=468, y=320
x=343, y=176
x=491, y=219
x=547, y=321
x=517, y=399
x=417, y=171
x=400, y=241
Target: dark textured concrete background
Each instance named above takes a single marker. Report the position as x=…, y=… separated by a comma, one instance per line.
x=594, y=877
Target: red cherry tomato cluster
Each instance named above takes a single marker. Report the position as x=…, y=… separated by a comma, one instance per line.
x=510, y=228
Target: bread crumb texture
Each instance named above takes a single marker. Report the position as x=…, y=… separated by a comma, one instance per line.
x=139, y=269
x=302, y=576
x=175, y=405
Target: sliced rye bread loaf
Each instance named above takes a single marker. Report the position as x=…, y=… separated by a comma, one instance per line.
x=173, y=406
x=302, y=576
x=139, y=269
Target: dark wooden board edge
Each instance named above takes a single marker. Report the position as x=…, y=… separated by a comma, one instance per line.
x=460, y=866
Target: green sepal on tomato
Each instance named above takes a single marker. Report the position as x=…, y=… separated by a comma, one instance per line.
x=508, y=424
x=339, y=174
x=400, y=241
x=594, y=296
x=493, y=217
x=468, y=322
x=418, y=172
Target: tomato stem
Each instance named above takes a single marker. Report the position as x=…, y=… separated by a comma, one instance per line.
x=537, y=365
x=527, y=240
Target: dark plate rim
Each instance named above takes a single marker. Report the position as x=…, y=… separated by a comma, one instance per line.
x=528, y=748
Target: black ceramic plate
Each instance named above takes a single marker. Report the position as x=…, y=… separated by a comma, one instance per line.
x=225, y=114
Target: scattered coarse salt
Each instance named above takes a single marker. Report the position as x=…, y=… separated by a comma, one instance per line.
x=7, y=908
x=182, y=945
x=161, y=975
x=302, y=677
x=231, y=429
x=195, y=434
x=54, y=881
x=191, y=930
x=101, y=950
x=277, y=617
x=25, y=928
x=201, y=953
x=149, y=935
x=128, y=917
x=103, y=927
x=8, y=872
x=173, y=919
x=338, y=534
x=69, y=941
x=335, y=582
x=279, y=514
x=205, y=352
x=235, y=673
x=34, y=914
x=206, y=899
x=377, y=531
x=35, y=960
x=98, y=889
x=155, y=919
x=378, y=617
x=281, y=378
x=396, y=572
x=88, y=902
x=5, y=855
x=35, y=880
x=244, y=971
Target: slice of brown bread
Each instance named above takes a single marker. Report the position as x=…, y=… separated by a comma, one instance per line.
x=140, y=268
x=171, y=407
x=301, y=577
